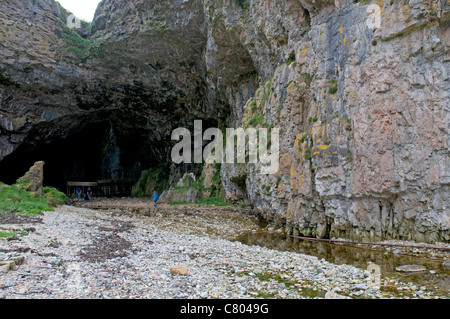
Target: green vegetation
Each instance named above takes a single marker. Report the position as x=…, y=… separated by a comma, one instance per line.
x=153, y=179
x=308, y=155
x=244, y=4
x=85, y=25
x=280, y=108
x=349, y=155
x=374, y=42
x=327, y=141
x=332, y=90
x=15, y=199
x=257, y=119
x=304, y=138
x=74, y=43
x=13, y=234
x=278, y=180
x=288, y=61
x=54, y=197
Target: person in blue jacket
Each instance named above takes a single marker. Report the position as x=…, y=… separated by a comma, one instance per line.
x=155, y=198
x=79, y=192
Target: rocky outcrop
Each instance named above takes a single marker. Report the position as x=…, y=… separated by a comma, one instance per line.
x=33, y=180
x=359, y=90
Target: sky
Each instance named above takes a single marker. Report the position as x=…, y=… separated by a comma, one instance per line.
x=83, y=9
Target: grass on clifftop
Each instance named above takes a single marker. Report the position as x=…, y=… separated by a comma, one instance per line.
x=15, y=199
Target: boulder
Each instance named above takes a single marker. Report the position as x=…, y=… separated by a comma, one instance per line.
x=33, y=180
x=4, y=268
x=179, y=270
x=446, y=264
x=7, y=265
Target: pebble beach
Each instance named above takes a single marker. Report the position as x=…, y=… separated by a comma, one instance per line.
x=170, y=253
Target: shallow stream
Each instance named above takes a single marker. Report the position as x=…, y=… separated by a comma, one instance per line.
x=436, y=277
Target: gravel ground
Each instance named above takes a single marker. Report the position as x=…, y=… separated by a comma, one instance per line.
x=77, y=252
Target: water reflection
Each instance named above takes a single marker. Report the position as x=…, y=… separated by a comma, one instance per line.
x=359, y=257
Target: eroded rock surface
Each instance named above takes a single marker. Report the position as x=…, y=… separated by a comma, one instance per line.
x=361, y=98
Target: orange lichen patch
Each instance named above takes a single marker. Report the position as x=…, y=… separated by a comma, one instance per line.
x=316, y=153
x=341, y=29
x=304, y=51
x=324, y=147
x=300, y=183
x=292, y=172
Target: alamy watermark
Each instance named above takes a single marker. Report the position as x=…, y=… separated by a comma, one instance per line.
x=73, y=22
x=374, y=19
x=374, y=280
x=253, y=152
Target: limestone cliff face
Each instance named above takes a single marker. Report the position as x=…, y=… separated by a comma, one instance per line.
x=361, y=98
x=364, y=117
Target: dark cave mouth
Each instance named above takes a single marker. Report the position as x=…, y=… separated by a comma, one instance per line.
x=98, y=151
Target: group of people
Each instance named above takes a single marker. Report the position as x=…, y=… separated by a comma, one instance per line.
x=87, y=196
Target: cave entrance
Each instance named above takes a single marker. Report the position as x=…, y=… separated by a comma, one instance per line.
x=89, y=155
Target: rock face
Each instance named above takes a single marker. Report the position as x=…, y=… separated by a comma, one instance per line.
x=363, y=113
x=360, y=92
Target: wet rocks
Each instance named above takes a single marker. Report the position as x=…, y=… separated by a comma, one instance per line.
x=411, y=268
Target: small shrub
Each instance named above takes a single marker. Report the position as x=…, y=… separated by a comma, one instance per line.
x=349, y=155
x=257, y=119
x=278, y=180
x=244, y=4
x=303, y=139
x=374, y=42
x=54, y=197
x=332, y=90
x=308, y=155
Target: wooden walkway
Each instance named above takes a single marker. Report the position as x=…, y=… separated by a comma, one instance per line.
x=117, y=187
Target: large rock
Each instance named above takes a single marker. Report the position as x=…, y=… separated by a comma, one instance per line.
x=33, y=180
x=179, y=270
